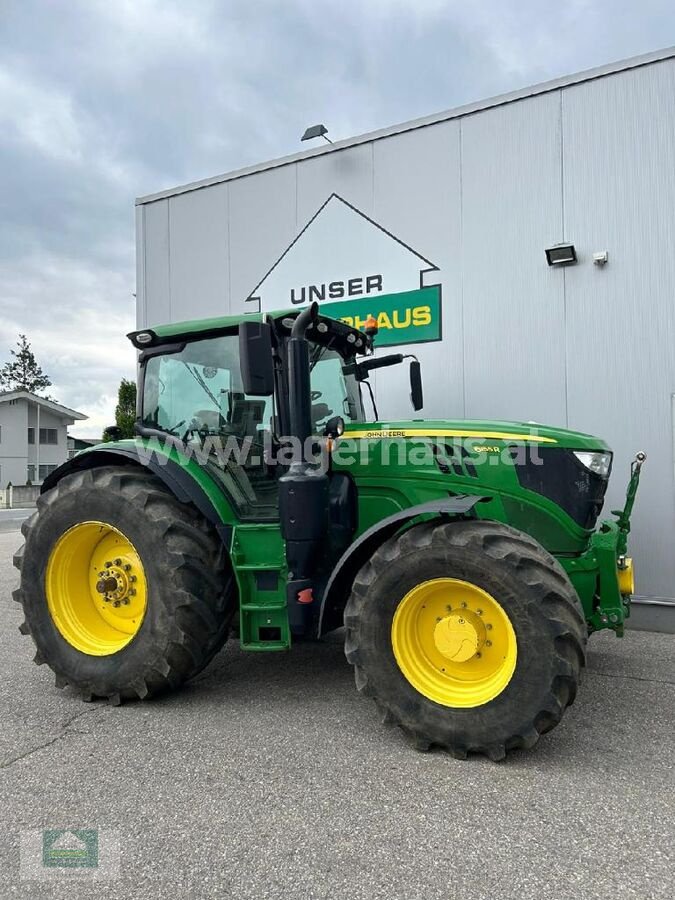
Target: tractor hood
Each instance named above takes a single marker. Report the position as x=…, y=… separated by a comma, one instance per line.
x=480, y=430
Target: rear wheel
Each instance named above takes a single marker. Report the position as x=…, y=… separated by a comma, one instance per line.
x=126, y=591
x=469, y=635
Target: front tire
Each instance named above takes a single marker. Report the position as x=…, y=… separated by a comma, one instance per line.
x=126, y=591
x=468, y=634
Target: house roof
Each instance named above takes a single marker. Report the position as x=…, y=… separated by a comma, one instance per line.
x=545, y=87
x=53, y=407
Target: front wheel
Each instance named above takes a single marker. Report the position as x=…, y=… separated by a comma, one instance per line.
x=467, y=634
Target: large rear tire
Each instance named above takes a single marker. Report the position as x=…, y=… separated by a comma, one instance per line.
x=469, y=635
x=126, y=591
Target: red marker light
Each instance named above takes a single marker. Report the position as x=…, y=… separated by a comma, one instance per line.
x=306, y=596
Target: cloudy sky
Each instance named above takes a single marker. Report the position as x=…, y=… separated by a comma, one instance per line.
x=105, y=100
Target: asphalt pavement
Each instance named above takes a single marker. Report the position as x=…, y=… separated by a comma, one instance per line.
x=11, y=519
x=270, y=777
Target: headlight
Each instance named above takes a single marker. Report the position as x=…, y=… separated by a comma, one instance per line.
x=598, y=463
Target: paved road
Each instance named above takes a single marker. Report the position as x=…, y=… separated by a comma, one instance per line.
x=11, y=519
x=270, y=777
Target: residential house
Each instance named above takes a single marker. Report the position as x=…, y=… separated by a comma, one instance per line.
x=33, y=436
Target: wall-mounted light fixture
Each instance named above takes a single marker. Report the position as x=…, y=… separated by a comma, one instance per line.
x=315, y=131
x=561, y=255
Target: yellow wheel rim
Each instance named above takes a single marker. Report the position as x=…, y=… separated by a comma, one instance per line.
x=454, y=643
x=96, y=588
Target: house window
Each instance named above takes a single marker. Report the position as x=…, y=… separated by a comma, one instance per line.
x=31, y=435
x=48, y=436
x=31, y=474
x=45, y=470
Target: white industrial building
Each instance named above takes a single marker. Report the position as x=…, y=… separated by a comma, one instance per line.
x=444, y=223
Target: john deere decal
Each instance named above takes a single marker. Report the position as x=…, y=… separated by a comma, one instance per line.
x=355, y=268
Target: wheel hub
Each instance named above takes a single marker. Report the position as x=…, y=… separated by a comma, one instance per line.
x=457, y=637
x=116, y=581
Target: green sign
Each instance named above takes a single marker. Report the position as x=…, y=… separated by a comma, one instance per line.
x=70, y=849
x=411, y=317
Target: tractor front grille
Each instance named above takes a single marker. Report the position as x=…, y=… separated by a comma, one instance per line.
x=556, y=473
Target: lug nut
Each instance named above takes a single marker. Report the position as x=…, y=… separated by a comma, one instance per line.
x=489, y=627
x=127, y=567
x=118, y=561
x=463, y=605
x=479, y=612
x=488, y=643
x=108, y=564
x=132, y=578
x=132, y=593
x=116, y=603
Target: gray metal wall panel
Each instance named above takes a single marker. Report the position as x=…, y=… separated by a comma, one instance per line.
x=513, y=303
x=263, y=222
x=620, y=197
x=417, y=197
x=157, y=264
x=348, y=173
x=140, y=267
x=200, y=272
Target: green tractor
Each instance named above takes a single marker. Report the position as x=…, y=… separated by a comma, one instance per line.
x=462, y=558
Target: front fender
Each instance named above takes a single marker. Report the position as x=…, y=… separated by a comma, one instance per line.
x=355, y=556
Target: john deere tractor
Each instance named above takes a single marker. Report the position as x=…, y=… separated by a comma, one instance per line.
x=463, y=558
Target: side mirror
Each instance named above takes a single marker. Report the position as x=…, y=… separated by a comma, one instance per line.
x=255, y=358
x=416, y=393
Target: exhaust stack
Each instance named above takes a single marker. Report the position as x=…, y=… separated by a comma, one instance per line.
x=303, y=491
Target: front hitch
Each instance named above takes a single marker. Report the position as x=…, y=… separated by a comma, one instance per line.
x=623, y=515
x=615, y=570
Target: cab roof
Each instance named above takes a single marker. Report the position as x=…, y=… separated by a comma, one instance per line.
x=344, y=337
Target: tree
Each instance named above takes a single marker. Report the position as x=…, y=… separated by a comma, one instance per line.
x=23, y=372
x=125, y=413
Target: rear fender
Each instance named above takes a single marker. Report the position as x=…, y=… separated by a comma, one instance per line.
x=176, y=477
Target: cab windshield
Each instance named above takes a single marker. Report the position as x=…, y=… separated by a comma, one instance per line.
x=198, y=392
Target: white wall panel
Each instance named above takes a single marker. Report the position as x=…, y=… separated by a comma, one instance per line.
x=263, y=222
x=157, y=264
x=514, y=347
x=198, y=230
x=417, y=197
x=140, y=267
x=348, y=173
